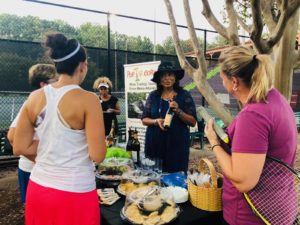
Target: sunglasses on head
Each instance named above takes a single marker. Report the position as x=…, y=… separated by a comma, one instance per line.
x=51, y=81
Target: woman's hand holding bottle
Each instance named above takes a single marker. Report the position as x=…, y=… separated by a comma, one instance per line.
x=160, y=123
x=173, y=105
x=173, y=108
x=211, y=133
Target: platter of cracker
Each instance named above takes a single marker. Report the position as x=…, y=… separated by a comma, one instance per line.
x=134, y=179
x=150, y=206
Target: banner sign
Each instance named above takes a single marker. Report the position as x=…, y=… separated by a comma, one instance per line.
x=138, y=85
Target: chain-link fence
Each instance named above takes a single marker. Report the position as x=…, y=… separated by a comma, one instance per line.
x=108, y=52
x=16, y=57
x=108, y=49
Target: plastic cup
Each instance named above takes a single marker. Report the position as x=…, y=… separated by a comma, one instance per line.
x=158, y=165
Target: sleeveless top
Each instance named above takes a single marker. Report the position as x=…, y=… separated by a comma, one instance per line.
x=109, y=117
x=24, y=163
x=62, y=160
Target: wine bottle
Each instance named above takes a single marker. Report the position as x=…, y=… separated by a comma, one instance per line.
x=136, y=146
x=111, y=136
x=168, y=118
x=220, y=132
x=129, y=142
x=136, y=143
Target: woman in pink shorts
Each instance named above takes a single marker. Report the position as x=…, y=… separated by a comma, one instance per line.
x=62, y=187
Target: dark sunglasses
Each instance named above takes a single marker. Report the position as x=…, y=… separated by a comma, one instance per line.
x=51, y=81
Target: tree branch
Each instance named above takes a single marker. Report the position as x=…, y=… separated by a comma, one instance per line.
x=212, y=19
x=233, y=28
x=246, y=27
x=257, y=28
x=270, y=18
x=288, y=12
x=285, y=4
x=196, y=46
x=181, y=57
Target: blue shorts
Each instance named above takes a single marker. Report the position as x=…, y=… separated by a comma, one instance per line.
x=23, y=182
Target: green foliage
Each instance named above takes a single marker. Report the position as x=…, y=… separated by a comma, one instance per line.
x=243, y=8
x=168, y=46
x=30, y=28
x=93, y=35
x=140, y=44
x=134, y=97
x=116, y=152
x=19, y=57
x=217, y=42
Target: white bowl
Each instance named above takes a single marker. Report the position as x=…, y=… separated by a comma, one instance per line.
x=180, y=194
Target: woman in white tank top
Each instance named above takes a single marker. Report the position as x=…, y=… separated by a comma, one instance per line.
x=62, y=187
x=39, y=75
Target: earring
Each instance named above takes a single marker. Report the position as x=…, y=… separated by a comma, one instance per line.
x=234, y=88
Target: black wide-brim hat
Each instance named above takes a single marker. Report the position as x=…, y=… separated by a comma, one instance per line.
x=167, y=67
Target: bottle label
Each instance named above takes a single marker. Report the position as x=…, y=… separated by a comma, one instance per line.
x=168, y=120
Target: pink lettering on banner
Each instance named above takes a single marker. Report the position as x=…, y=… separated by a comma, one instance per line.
x=130, y=73
x=149, y=72
x=137, y=72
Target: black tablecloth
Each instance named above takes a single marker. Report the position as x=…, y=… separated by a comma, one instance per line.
x=110, y=215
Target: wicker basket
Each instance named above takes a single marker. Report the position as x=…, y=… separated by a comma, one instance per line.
x=206, y=198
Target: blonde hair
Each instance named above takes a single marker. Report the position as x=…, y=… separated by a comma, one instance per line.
x=102, y=79
x=41, y=73
x=256, y=71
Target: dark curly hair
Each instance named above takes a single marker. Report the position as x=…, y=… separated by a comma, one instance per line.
x=58, y=47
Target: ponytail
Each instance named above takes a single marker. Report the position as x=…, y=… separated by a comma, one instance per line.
x=255, y=71
x=262, y=79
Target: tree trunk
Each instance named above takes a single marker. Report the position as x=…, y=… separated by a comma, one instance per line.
x=285, y=58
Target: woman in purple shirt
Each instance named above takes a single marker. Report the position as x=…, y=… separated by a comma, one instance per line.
x=265, y=126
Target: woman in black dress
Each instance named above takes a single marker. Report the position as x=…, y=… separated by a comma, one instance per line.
x=171, y=145
x=109, y=103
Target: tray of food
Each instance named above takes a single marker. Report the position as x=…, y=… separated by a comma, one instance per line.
x=150, y=205
x=134, y=179
x=112, y=169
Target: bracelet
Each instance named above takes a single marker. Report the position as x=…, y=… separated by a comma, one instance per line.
x=179, y=112
x=155, y=122
x=212, y=148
